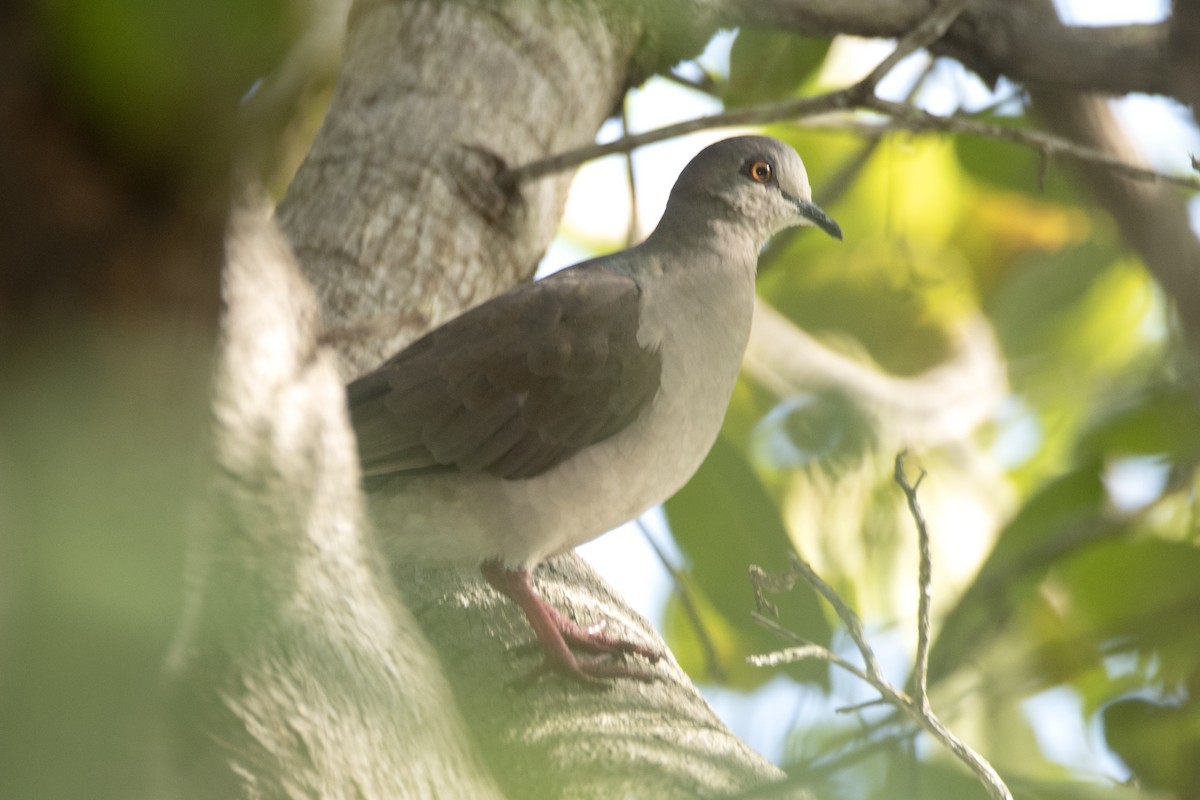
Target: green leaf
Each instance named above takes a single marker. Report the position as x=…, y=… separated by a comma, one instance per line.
x=1160, y=420
x=1138, y=596
x=1065, y=514
x=1159, y=742
x=724, y=521
x=163, y=78
x=1031, y=308
x=1012, y=166
x=766, y=65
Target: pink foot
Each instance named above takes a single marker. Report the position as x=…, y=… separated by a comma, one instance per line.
x=554, y=632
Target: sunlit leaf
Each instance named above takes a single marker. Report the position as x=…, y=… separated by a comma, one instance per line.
x=1161, y=420
x=764, y=64
x=1013, y=166
x=1062, y=516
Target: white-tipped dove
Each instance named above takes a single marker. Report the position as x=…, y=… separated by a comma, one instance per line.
x=548, y=415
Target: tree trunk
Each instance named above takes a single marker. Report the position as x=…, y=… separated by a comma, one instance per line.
x=300, y=673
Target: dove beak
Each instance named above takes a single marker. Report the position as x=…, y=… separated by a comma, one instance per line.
x=813, y=213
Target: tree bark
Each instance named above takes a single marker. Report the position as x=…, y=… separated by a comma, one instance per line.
x=297, y=673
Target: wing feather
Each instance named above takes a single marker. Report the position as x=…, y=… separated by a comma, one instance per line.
x=515, y=386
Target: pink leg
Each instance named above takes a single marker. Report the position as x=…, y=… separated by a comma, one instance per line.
x=555, y=631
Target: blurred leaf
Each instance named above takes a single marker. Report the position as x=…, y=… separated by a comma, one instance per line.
x=1066, y=789
x=1159, y=743
x=821, y=426
x=1137, y=596
x=869, y=297
x=1011, y=166
x=1032, y=307
x=767, y=64
x=898, y=284
x=721, y=640
x=1062, y=516
x=1074, y=327
x=1159, y=420
x=163, y=78
x=748, y=406
x=1007, y=228
x=724, y=521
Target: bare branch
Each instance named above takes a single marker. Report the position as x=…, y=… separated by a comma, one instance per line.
x=918, y=709
x=859, y=96
x=1151, y=219
x=809, y=650
x=902, y=117
x=1047, y=144
x=873, y=675
x=705, y=84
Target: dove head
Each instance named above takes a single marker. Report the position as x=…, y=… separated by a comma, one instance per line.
x=754, y=183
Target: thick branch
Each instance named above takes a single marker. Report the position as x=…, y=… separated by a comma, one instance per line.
x=942, y=404
x=992, y=38
x=1152, y=218
x=296, y=673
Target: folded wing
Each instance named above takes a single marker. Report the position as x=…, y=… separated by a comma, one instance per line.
x=513, y=387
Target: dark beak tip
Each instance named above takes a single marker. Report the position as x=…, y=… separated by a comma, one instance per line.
x=815, y=215
x=830, y=227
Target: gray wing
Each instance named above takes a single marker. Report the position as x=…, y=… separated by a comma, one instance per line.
x=514, y=386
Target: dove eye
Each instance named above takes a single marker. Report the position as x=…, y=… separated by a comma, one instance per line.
x=759, y=171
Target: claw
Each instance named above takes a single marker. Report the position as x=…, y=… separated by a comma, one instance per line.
x=556, y=633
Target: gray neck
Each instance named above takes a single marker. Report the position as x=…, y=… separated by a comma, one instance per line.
x=704, y=224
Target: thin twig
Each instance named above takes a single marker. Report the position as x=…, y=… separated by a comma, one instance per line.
x=850, y=619
x=924, y=583
x=750, y=115
x=1017, y=95
x=924, y=34
x=917, y=709
x=633, y=229
x=911, y=118
x=803, y=651
x=857, y=707
x=764, y=582
x=841, y=180
x=704, y=85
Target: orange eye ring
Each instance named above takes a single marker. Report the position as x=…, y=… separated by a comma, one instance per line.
x=759, y=171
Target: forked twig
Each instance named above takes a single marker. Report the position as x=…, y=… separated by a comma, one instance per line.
x=917, y=708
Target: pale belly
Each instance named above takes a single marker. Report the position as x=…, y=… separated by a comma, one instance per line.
x=471, y=518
